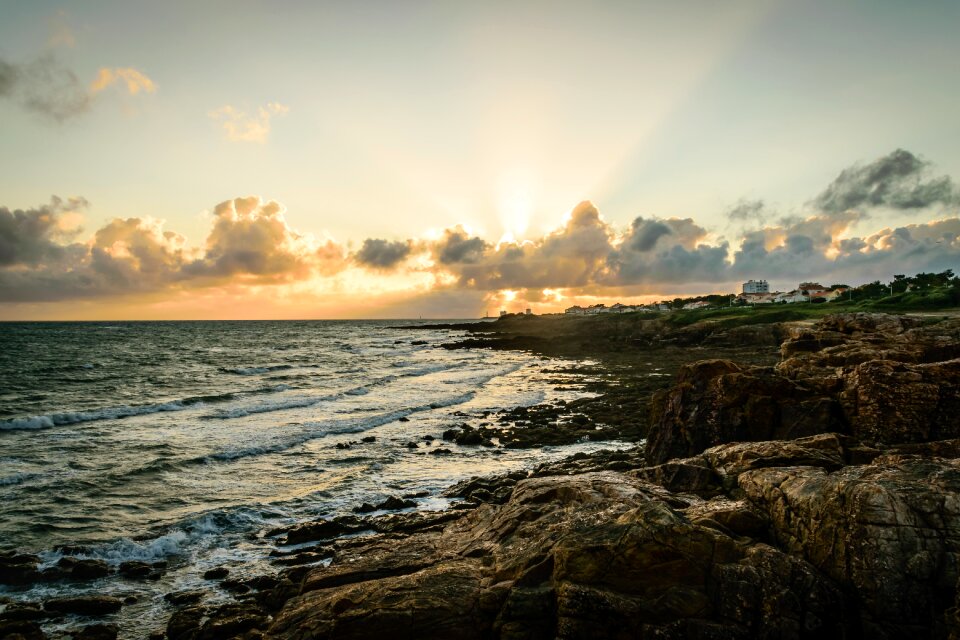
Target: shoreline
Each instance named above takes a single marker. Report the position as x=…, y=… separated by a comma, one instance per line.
x=721, y=437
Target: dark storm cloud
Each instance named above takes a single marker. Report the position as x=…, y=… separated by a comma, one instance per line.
x=896, y=181
x=382, y=254
x=29, y=237
x=752, y=211
x=45, y=87
x=457, y=246
x=644, y=234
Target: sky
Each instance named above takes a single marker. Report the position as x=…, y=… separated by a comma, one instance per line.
x=249, y=159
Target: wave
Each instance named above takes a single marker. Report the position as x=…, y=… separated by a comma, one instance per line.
x=252, y=371
x=124, y=411
x=315, y=430
x=17, y=478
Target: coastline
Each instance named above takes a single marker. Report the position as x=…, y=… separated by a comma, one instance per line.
x=711, y=529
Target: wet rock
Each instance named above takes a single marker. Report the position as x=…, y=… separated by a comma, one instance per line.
x=322, y=529
x=23, y=611
x=450, y=434
x=82, y=569
x=217, y=573
x=97, y=632
x=440, y=451
x=84, y=605
x=136, y=570
x=412, y=445
x=368, y=439
x=19, y=568
x=227, y=621
x=21, y=630
x=392, y=503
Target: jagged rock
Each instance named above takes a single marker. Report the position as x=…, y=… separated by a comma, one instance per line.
x=716, y=402
x=888, y=532
x=598, y=555
x=85, y=605
x=893, y=402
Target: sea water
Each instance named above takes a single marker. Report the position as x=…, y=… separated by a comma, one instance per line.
x=186, y=441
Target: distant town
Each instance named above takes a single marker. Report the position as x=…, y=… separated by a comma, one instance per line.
x=923, y=289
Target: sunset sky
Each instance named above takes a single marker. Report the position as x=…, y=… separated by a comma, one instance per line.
x=354, y=159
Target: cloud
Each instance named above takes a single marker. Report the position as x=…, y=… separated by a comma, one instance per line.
x=458, y=247
x=30, y=237
x=251, y=244
x=251, y=238
x=749, y=211
x=896, y=181
x=134, y=80
x=382, y=254
x=239, y=126
x=44, y=87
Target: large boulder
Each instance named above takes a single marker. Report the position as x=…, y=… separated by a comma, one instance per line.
x=716, y=401
x=888, y=532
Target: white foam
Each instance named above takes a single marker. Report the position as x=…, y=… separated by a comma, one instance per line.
x=74, y=417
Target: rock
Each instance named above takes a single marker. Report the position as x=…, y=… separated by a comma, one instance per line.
x=227, y=621
x=136, y=570
x=717, y=402
x=889, y=533
x=84, y=605
x=412, y=445
x=730, y=460
x=369, y=438
x=21, y=630
x=217, y=573
x=82, y=569
x=97, y=632
x=23, y=611
x=440, y=451
x=450, y=434
x=19, y=568
x=392, y=503
x=892, y=402
x=598, y=555
x=323, y=529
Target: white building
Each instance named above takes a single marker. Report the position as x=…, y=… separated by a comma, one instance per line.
x=575, y=310
x=756, y=286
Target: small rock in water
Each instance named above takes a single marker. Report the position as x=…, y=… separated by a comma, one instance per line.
x=369, y=439
x=85, y=605
x=403, y=419
x=441, y=452
x=82, y=569
x=137, y=570
x=412, y=445
x=216, y=574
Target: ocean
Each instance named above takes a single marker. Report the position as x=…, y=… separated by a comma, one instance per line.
x=186, y=441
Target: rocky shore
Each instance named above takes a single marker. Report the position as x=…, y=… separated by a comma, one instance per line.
x=811, y=494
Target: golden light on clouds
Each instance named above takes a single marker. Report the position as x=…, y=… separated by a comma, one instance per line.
x=133, y=80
